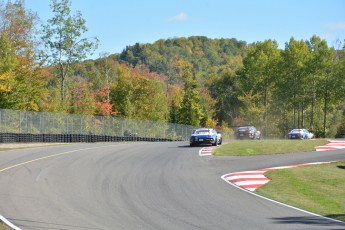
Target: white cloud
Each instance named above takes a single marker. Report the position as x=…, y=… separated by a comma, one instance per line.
x=336, y=26
x=181, y=17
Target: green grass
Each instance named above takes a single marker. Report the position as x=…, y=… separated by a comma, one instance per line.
x=265, y=147
x=317, y=188
x=4, y=226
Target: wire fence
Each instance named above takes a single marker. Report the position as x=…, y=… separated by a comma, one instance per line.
x=28, y=122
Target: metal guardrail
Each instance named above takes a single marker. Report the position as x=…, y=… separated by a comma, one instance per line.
x=28, y=122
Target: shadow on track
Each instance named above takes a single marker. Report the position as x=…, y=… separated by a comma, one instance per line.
x=309, y=220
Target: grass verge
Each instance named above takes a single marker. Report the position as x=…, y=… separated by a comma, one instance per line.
x=315, y=188
x=266, y=147
x=12, y=146
x=4, y=226
x=4, y=149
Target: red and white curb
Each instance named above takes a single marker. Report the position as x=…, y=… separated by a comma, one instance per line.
x=332, y=145
x=251, y=180
x=205, y=151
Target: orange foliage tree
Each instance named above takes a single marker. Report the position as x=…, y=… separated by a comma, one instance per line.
x=20, y=72
x=139, y=94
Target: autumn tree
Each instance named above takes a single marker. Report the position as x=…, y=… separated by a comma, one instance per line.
x=80, y=100
x=63, y=40
x=121, y=93
x=107, y=72
x=87, y=85
x=8, y=62
x=175, y=96
x=19, y=25
x=24, y=76
x=139, y=94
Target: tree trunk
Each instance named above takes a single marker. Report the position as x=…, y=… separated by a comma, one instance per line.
x=325, y=113
x=312, y=108
x=63, y=72
x=294, y=109
x=302, y=110
x=62, y=89
x=265, y=113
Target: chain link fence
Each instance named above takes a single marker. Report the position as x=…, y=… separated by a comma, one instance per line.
x=43, y=123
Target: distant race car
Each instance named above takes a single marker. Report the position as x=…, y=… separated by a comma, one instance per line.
x=205, y=136
x=247, y=132
x=128, y=133
x=300, y=134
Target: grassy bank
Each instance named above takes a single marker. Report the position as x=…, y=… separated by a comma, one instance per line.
x=3, y=226
x=318, y=188
x=264, y=147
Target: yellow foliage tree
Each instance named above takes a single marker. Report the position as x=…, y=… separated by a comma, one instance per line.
x=22, y=81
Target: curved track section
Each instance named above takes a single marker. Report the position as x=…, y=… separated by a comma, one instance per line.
x=141, y=186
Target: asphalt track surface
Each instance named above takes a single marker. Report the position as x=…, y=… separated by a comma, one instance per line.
x=142, y=186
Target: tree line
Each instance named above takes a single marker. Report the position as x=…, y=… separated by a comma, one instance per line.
x=196, y=80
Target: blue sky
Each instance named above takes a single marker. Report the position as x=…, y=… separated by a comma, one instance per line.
x=118, y=24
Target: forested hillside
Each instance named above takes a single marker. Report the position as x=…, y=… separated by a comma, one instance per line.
x=195, y=80
x=201, y=52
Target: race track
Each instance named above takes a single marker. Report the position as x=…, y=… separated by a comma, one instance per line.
x=142, y=186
